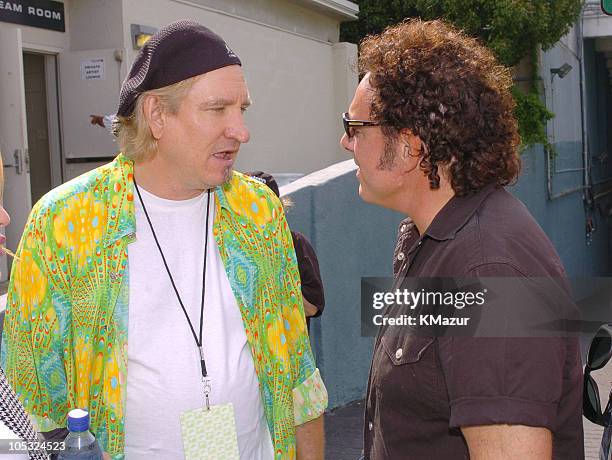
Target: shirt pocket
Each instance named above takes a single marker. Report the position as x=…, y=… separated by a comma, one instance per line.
x=410, y=382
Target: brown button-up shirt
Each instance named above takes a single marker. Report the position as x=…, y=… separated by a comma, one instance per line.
x=421, y=390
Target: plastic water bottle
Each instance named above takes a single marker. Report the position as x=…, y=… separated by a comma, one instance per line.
x=80, y=443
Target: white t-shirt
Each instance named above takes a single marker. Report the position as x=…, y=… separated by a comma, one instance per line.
x=164, y=374
x=108, y=120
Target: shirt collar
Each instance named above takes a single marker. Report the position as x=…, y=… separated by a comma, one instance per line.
x=121, y=178
x=228, y=188
x=456, y=213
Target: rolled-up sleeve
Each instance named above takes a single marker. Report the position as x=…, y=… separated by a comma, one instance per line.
x=511, y=380
x=309, y=399
x=514, y=381
x=309, y=393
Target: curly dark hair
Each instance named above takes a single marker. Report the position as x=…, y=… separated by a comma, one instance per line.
x=449, y=90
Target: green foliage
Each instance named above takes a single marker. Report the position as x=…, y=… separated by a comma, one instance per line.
x=533, y=114
x=511, y=28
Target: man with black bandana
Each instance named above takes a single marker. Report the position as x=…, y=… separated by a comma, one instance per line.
x=149, y=292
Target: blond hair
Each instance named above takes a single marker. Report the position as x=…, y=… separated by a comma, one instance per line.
x=134, y=134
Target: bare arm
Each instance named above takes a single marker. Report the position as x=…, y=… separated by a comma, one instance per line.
x=508, y=442
x=309, y=309
x=310, y=439
x=97, y=120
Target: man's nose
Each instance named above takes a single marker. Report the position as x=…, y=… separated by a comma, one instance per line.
x=238, y=131
x=347, y=143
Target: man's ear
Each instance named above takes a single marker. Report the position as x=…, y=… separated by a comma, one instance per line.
x=411, y=144
x=409, y=154
x=155, y=115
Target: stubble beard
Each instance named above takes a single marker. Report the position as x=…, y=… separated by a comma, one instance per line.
x=227, y=174
x=387, y=159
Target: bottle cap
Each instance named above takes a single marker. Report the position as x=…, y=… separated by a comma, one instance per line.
x=78, y=420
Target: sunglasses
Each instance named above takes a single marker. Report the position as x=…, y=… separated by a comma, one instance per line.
x=600, y=352
x=350, y=124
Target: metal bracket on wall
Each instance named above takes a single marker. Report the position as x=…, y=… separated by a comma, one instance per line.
x=17, y=162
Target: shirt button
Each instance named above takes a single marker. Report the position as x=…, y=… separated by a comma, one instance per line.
x=420, y=243
x=398, y=353
x=370, y=426
x=400, y=256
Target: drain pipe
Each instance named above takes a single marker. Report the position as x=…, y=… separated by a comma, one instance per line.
x=585, y=187
x=587, y=196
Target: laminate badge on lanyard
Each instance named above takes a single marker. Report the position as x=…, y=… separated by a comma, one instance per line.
x=210, y=433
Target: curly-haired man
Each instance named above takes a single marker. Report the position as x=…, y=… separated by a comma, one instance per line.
x=432, y=131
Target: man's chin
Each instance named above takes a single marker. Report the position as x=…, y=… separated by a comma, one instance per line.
x=227, y=175
x=223, y=178
x=363, y=194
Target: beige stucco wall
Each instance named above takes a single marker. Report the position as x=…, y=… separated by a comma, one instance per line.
x=291, y=15
x=95, y=24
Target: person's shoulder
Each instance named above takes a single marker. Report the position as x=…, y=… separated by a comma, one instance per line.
x=302, y=244
x=506, y=233
x=97, y=180
x=298, y=236
x=242, y=192
x=504, y=215
x=239, y=179
x=250, y=201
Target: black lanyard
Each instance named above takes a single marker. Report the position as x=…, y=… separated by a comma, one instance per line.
x=198, y=341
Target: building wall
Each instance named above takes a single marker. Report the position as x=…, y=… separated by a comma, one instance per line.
x=596, y=23
x=282, y=14
x=96, y=24
x=599, y=122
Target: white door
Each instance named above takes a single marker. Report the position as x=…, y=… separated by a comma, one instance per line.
x=93, y=79
x=13, y=139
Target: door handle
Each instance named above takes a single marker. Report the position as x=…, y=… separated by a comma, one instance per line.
x=18, y=162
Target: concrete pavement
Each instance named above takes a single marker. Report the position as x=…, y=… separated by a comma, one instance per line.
x=344, y=432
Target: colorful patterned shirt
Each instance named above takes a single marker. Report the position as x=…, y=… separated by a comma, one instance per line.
x=65, y=334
